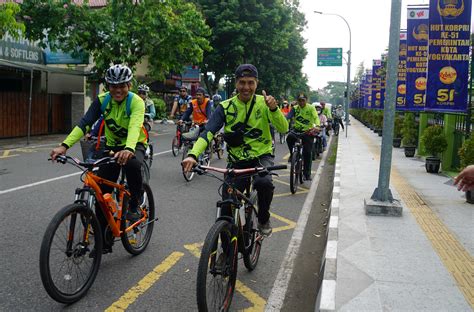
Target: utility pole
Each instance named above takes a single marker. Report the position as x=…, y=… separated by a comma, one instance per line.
x=382, y=202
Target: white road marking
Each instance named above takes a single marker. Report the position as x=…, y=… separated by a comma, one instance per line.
x=54, y=179
x=280, y=286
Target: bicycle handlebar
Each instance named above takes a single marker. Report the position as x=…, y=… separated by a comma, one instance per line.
x=88, y=165
x=199, y=169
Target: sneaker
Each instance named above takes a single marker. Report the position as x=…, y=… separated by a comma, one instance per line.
x=266, y=228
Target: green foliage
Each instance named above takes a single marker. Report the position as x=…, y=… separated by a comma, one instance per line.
x=8, y=20
x=377, y=119
x=398, y=125
x=170, y=34
x=160, y=107
x=264, y=33
x=409, y=130
x=434, y=140
x=333, y=92
x=466, y=152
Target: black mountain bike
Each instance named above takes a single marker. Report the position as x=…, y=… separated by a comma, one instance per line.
x=188, y=140
x=296, y=168
x=217, y=271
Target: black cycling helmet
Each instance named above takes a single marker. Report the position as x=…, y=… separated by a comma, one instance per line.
x=118, y=73
x=217, y=98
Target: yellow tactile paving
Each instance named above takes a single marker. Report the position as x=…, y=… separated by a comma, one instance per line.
x=454, y=256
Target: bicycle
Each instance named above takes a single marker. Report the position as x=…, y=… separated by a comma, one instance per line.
x=296, y=167
x=227, y=237
x=188, y=140
x=335, y=126
x=71, y=248
x=177, y=143
x=218, y=146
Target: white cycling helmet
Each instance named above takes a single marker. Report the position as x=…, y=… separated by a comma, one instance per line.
x=117, y=74
x=143, y=88
x=317, y=105
x=217, y=98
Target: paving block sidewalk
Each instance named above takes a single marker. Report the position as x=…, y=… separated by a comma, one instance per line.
x=422, y=261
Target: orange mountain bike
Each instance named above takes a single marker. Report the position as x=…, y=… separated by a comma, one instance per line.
x=71, y=250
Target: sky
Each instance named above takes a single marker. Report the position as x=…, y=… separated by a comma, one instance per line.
x=369, y=21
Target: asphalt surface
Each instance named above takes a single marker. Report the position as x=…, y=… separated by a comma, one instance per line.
x=186, y=211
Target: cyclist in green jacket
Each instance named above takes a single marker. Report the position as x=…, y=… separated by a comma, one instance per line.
x=123, y=116
x=248, y=144
x=306, y=118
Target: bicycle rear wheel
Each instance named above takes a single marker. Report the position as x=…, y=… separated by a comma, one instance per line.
x=294, y=172
x=217, y=271
x=67, y=267
x=253, y=245
x=136, y=241
x=175, y=146
x=188, y=176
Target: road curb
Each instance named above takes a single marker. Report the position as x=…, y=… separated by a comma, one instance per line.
x=327, y=296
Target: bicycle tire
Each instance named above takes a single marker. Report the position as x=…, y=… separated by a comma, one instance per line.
x=190, y=175
x=145, y=172
x=150, y=156
x=293, y=173
x=175, y=146
x=218, y=148
x=130, y=239
x=221, y=230
x=81, y=251
x=250, y=232
x=300, y=170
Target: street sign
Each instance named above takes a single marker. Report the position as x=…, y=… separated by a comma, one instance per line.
x=329, y=57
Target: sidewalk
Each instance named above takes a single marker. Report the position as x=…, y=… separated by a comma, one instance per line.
x=422, y=261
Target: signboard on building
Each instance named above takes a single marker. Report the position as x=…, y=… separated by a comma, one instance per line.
x=59, y=57
x=20, y=50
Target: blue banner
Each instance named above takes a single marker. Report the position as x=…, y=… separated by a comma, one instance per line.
x=417, y=57
x=376, y=84
x=448, y=63
x=402, y=72
x=368, y=89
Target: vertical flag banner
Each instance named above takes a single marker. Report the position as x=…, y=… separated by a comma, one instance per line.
x=417, y=57
x=376, y=83
x=402, y=72
x=368, y=89
x=448, y=63
x=383, y=80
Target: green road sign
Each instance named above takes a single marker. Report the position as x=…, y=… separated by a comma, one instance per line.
x=329, y=57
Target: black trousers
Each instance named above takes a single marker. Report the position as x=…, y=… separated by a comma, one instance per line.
x=263, y=185
x=133, y=173
x=307, y=149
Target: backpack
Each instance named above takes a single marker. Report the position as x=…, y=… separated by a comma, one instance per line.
x=108, y=97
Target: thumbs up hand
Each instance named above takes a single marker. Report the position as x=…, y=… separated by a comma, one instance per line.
x=270, y=101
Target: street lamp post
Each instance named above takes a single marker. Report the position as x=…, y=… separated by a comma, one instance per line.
x=348, y=67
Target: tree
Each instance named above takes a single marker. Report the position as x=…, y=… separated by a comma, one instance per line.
x=265, y=33
x=8, y=20
x=333, y=92
x=170, y=34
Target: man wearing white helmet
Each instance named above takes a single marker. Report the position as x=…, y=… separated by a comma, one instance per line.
x=150, y=111
x=123, y=113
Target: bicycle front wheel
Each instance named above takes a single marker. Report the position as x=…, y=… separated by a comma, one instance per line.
x=252, y=242
x=217, y=271
x=136, y=241
x=294, y=172
x=175, y=146
x=188, y=176
x=68, y=267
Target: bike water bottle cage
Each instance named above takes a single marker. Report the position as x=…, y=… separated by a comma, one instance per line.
x=236, y=138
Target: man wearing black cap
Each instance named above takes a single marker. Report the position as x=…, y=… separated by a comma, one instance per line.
x=246, y=118
x=200, y=108
x=305, y=118
x=180, y=102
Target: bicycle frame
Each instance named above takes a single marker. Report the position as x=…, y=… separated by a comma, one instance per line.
x=92, y=184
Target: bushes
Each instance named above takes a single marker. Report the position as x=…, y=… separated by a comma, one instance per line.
x=398, y=125
x=466, y=152
x=160, y=107
x=434, y=140
x=409, y=130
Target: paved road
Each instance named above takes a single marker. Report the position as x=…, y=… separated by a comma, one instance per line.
x=186, y=212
